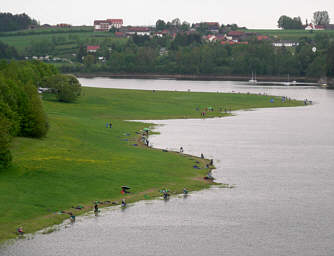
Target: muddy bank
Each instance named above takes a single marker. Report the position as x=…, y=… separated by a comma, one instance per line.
x=199, y=77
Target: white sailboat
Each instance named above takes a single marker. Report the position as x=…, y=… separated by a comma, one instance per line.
x=288, y=82
x=253, y=80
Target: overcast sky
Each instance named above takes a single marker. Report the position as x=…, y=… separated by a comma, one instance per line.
x=249, y=13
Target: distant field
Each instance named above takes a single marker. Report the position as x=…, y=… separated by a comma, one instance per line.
x=48, y=31
x=69, y=39
x=21, y=42
x=81, y=160
x=290, y=34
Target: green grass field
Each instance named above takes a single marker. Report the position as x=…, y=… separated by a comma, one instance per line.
x=22, y=41
x=50, y=30
x=70, y=39
x=81, y=160
x=293, y=34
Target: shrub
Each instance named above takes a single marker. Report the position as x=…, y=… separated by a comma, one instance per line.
x=66, y=87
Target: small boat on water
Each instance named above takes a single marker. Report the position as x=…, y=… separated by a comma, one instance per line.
x=253, y=80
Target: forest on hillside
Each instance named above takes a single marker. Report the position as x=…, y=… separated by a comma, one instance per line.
x=188, y=54
x=12, y=22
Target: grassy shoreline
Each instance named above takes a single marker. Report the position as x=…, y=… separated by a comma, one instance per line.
x=81, y=160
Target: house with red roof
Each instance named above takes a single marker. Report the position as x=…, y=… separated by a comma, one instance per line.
x=235, y=35
x=210, y=38
x=92, y=48
x=64, y=25
x=319, y=27
x=212, y=27
x=261, y=38
x=106, y=25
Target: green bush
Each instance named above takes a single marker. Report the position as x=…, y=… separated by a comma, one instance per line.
x=66, y=87
x=21, y=110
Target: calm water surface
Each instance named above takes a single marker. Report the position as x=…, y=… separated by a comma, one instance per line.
x=281, y=161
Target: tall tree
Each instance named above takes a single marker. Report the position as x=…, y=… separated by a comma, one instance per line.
x=67, y=87
x=160, y=25
x=10, y=22
x=321, y=18
x=185, y=26
x=81, y=53
x=176, y=22
x=286, y=22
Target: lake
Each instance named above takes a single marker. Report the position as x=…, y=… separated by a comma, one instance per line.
x=280, y=160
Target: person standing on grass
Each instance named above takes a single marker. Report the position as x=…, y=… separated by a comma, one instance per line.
x=96, y=208
x=110, y=124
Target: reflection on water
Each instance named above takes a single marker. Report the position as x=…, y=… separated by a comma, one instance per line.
x=281, y=161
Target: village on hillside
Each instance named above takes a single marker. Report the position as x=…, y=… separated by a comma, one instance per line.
x=212, y=32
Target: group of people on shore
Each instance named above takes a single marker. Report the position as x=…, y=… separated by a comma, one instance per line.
x=166, y=194
x=307, y=102
x=109, y=125
x=211, y=109
x=144, y=138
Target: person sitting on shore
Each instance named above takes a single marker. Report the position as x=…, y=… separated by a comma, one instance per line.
x=209, y=176
x=165, y=194
x=20, y=231
x=123, y=204
x=185, y=191
x=181, y=149
x=72, y=217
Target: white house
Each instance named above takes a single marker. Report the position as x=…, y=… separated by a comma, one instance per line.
x=106, y=25
x=285, y=44
x=309, y=27
x=140, y=31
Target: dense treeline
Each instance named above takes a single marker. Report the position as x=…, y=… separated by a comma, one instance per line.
x=188, y=55
x=21, y=111
x=319, y=18
x=10, y=22
x=286, y=22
